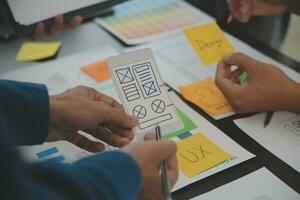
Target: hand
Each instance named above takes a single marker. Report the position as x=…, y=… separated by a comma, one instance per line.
x=149, y=155
x=84, y=108
x=267, y=88
x=243, y=10
x=58, y=27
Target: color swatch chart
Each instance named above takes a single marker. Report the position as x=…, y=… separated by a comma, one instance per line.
x=140, y=21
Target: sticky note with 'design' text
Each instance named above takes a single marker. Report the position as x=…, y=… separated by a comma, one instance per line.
x=207, y=96
x=209, y=42
x=31, y=51
x=197, y=153
x=98, y=71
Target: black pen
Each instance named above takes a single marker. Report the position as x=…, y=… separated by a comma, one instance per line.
x=164, y=171
x=268, y=118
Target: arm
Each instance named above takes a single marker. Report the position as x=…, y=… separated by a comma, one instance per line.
x=110, y=175
x=24, y=111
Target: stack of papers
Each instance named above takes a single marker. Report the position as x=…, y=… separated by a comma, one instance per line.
x=27, y=12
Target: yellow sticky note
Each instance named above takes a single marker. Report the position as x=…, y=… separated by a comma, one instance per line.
x=197, y=153
x=31, y=51
x=98, y=71
x=209, y=42
x=207, y=96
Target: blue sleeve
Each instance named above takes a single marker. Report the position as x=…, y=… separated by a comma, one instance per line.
x=109, y=175
x=24, y=108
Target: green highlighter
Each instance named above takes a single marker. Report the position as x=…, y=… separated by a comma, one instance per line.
x=243, y=78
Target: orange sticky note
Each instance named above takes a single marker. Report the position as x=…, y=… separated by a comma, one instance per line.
x=98, y=71
x=207, y=96
x=197, y=153
x=209, y=42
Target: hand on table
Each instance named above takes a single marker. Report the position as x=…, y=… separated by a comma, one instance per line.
x=267, y=88
x=243, y=10
x=59, y=26
x=84, y=108
x=149, y=155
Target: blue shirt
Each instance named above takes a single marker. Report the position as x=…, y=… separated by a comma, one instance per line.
x=24, y=119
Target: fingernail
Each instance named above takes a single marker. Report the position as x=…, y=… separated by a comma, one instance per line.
x=225, y=56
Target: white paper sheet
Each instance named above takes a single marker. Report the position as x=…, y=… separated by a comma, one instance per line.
x=281, y=137
x=65, y=73
x=143, y=92
x=239, y=154
x=259, y=185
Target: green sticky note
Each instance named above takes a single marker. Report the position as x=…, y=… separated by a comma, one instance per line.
x=188, y=125
x=243, y=77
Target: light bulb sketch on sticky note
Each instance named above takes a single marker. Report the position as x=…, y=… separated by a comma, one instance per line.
x=210, y=97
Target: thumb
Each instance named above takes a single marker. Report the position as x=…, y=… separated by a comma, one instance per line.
x=117, y=117
x=224, y=83
x=162, y=150
x=241, y=60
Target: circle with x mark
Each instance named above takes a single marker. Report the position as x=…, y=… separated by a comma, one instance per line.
x=158, y=106
x=139, y=111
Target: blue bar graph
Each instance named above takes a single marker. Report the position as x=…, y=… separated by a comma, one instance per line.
x=47, y=152
x=57, y=159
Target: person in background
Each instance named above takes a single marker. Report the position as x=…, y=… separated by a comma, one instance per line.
x=29, y=116
x=7, y=30
x=267, y=88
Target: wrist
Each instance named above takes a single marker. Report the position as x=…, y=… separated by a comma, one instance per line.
x=291, y=98
x=54, y=114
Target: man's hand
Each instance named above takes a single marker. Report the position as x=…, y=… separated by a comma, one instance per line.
x=243, y=10
x=149, y=155
x=84, y=108
x=59, y=26
x=267, y=88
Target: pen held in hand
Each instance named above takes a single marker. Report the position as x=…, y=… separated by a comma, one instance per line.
x=164, y=171
x=268, y=118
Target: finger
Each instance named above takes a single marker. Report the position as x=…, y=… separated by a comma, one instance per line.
x=223, y=81
x=75, y=22
x=108, y=100
x=241, y=60
x=127, y=133
x=235, y=75
x=234, y=6
x=39, y=31
x=110, y=138
x=85, y=143
x=149, y=137
x=116, y=116
x=172, y=169
x=58, y=25
x=163, y=150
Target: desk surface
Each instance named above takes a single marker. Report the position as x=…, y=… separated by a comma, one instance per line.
x=89, y=36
